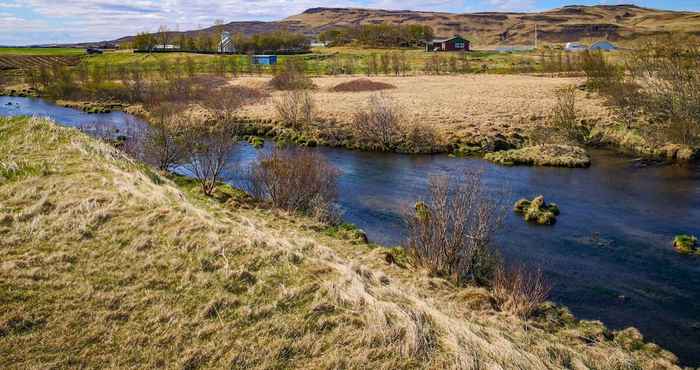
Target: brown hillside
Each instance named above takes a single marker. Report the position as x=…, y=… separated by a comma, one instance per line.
x=618, y=23
x=570, y=23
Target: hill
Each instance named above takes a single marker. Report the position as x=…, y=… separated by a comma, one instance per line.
x=108, y=264
x=570, y=23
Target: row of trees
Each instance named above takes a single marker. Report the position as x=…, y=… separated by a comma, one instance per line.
x=379, y=35
x=209, y=41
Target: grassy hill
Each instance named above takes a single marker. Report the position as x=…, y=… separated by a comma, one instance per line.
x=108, y=264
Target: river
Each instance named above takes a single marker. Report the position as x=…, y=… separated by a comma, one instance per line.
x=609, y=256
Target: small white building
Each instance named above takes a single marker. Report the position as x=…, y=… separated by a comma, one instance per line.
x=166, y=47
x=575, y=46
x=226, y=43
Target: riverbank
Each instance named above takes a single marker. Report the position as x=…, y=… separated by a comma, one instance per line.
x=490, y=114
x=151, y=257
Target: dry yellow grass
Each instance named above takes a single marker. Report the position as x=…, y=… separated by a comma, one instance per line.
x=106, y=264
x=464, y=106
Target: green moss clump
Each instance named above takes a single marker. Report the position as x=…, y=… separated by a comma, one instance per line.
x=348, y=232
x=537, y=210
x=686, y=244
x=256, y=142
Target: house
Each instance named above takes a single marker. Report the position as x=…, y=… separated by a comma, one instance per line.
x=226, y=44
x=455, y=43
x=603, y=45
x=265, y=59
x=166, y=47
x=575, y=46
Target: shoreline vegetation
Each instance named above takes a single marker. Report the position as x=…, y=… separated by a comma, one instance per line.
x=286, y=283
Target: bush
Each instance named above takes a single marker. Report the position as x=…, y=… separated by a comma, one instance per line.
x=451, y=233
x=519, y=291
x=668, y=70
x=292, y=77
x=161, y=143
x=564, y=120
x=379, y=124
x=208, y=147
x=296, y=109
x=296, y=180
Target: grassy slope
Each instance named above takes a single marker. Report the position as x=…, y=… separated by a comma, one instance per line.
x=106, y=264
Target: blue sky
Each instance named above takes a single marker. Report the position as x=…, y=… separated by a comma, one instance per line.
x=24, y=22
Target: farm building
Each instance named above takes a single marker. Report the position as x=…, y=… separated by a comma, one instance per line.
x=603, y=45
x=575, y=46
x=455, y=43
x=265, y=59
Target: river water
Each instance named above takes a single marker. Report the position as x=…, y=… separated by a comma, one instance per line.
x=609, y=256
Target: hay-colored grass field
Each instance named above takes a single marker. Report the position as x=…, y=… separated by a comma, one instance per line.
x=457, y=106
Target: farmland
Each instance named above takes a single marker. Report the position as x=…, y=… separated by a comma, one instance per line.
x=42, y=51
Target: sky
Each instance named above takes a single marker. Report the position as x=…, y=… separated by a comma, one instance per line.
x=27, y=22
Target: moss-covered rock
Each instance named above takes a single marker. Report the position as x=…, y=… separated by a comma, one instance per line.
x=537, y=210
x=686, y=244
x=542, y=155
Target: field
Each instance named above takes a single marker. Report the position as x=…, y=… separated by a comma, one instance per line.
x=109, y=264
x=42, y=51
x=462, y=106
x=344, y=60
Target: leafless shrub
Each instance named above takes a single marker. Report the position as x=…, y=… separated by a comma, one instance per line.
x=668, y=70
x=378, y=124
x=208, y=148
x=451, y=233
x=519, y=290
x=564, y=119
x=162, y=143
x=296, y=109
x=292, y=77
x=295, y=180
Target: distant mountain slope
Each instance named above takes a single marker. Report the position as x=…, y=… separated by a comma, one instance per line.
x=570, y=23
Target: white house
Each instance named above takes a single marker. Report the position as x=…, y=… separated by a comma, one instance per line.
x=575, y=46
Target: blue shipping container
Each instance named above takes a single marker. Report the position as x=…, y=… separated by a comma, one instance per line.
x=265, y=59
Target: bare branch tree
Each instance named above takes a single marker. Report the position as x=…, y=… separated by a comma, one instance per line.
x=452, y=232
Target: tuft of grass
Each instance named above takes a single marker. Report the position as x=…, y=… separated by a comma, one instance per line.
x=686, y=244
x=542, y=155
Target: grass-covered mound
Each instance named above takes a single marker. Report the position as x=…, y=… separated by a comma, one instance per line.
x=686, y=244
x=362, y=84
x=537, y=210
x=108, y=264
x=542, y=155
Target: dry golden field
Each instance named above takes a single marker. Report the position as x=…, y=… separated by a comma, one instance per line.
x=457, y=106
